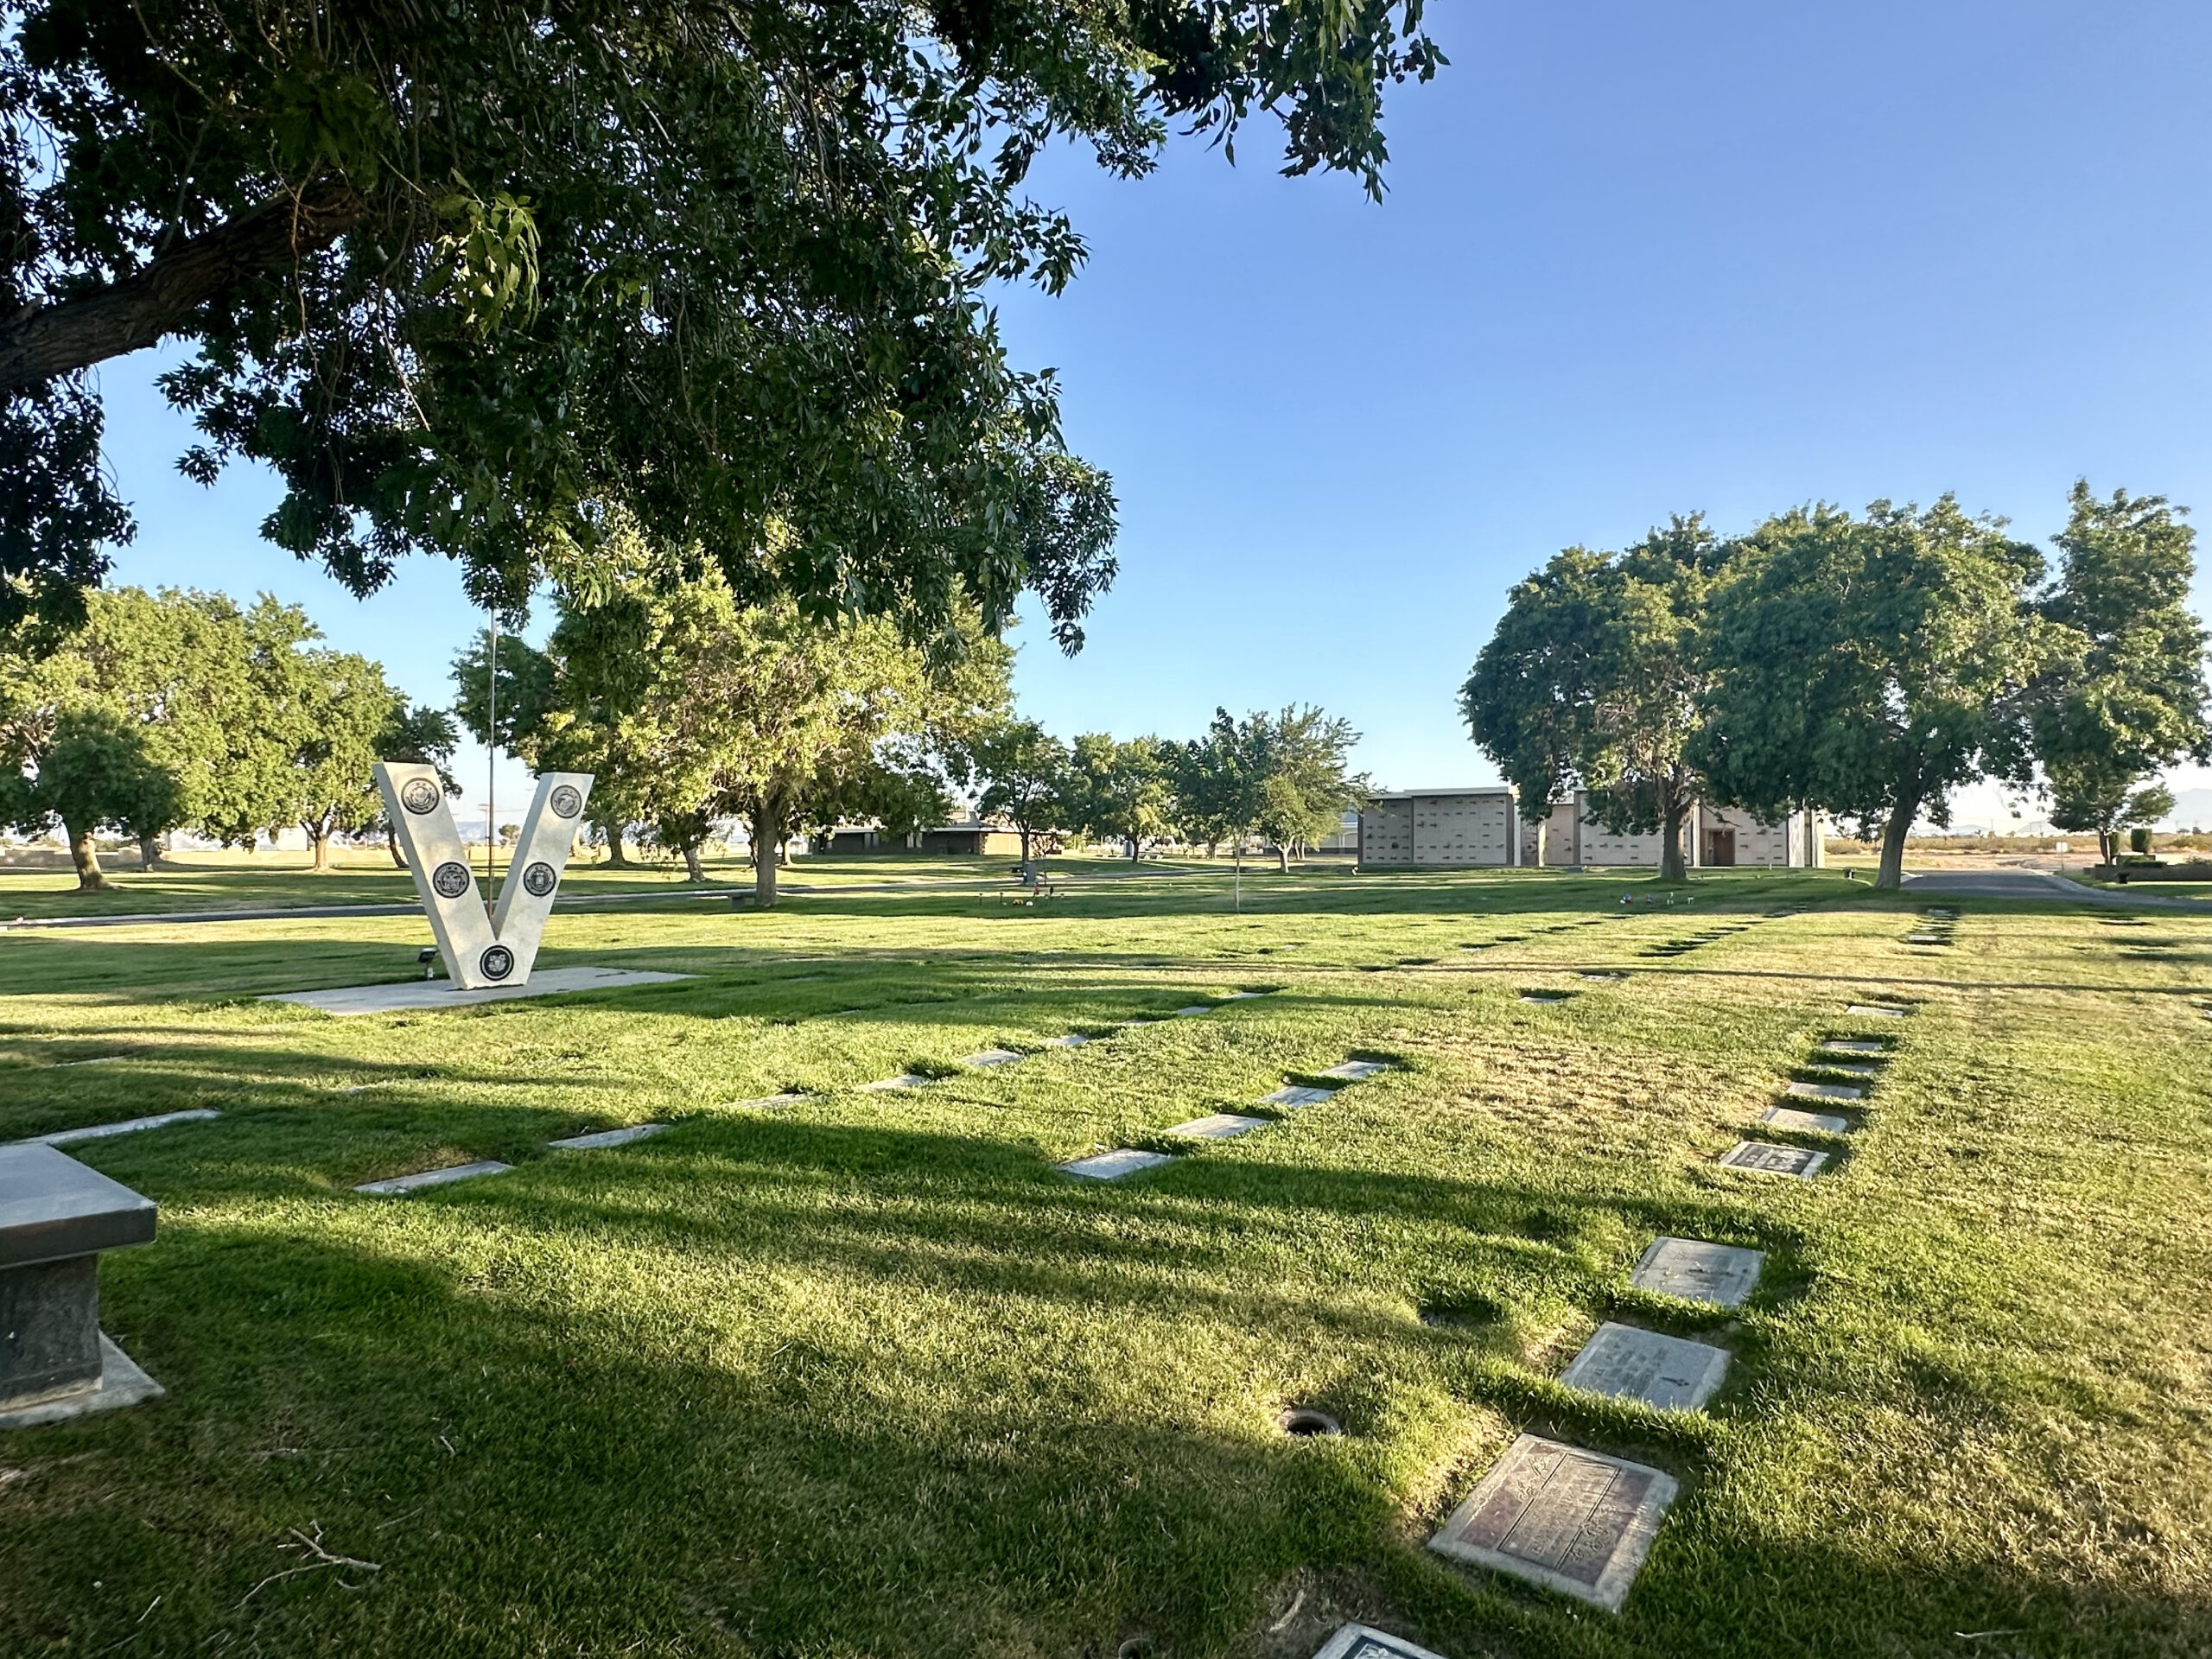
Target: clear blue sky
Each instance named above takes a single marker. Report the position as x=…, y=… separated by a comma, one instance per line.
x=1635, y=258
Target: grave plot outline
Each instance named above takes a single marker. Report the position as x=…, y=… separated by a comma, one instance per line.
x=483, y=949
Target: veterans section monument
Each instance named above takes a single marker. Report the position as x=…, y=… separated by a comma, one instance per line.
x=481, y=949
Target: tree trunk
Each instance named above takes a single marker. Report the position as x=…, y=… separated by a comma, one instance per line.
x=2108, y=847
x=1891, y=877
x=616, y=858
x=149, y=851
x=693, y=870
x=1025, y=846
x=1282, y=858
x=1135, y=848
x=319, y=834
x=1671, y=842
x=768, y=833
x=85, y=856
x=1543, y=827
x=392, y=846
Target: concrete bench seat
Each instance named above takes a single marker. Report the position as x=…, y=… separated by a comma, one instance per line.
x=56, y=1216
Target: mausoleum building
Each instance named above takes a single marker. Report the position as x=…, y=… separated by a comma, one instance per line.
x=1483, y=826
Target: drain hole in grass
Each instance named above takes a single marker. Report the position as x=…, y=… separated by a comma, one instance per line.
x=1460, y=1312
x=1303, y=1423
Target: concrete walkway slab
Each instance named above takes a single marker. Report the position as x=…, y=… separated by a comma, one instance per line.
x=600, y=1138
x=400, y=1185
x=128, y=1126
x=417, y=995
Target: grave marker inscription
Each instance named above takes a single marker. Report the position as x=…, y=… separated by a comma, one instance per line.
x=1666, y=1372
x=1577, y=1522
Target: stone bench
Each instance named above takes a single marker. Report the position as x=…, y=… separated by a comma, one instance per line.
x=56, y=1216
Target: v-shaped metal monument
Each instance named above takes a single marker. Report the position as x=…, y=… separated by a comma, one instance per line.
x=483, y=949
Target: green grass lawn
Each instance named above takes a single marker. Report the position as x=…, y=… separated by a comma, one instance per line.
x=868, y=1375
x=228, y=881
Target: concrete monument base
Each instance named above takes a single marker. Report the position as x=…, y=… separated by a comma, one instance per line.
x=411, y=995
x=121, y=1383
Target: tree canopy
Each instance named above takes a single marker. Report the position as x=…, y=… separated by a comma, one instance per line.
x=471, y=276
x=173, y=710
x=1869, y=666
x=2124, y=694
x=1597, y=676
x=690, y=706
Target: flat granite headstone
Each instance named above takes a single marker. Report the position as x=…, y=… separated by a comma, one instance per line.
x=129, y=1126
x=1353, y=1070
x=399, y=1185
x=599, y=1138
x=1786, y=1117
x=1572, y=1521
x=1766, y=1158
x=990, y=1056
x=1925, y=939
x=1849, y=1068
x=1855, y=1046
x=1296, y=1095
x=904, y=1080
x=1547, y=997
x=1365, y=1642
x=1876, y=1011
x=1073, y=1039
x=413, y=995
x=1666, y=1372
x=1220, y=1125
x=1112, y=1165
x=769, y=1103
x=1196, y=1008
x=1826, y=1091
x=1724, y=1275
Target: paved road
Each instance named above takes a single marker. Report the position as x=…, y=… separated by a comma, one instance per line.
x=2039, y=885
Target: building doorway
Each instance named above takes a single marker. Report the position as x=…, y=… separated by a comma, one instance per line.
x=1719, y=848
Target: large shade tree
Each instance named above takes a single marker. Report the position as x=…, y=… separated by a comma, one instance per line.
x=1597, y=675
x=466, y=276
x=1870, y=666
x=2124, y=693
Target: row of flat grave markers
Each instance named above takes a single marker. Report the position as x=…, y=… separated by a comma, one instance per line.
x=1221, y=1126
x=1938, y=923
x=400, y=1185
x=1857, y=1059
x=1582, y=1522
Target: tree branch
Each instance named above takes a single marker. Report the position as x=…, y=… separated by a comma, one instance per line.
x=135, y=312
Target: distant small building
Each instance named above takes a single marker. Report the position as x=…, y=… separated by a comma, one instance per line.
x=1483, y=826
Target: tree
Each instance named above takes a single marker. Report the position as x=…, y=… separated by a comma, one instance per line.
x=1121, y=790
x=1870, y=666
x=468, y=277
x=1307, y=783
x=690, y=706
x=2123, y=695
x=524, y=691
x=175, y=667
x=1219, y=783
x=1597, y=675
x=339, y=707
x=1024, y=770
x=426, y=736
x=93, y=769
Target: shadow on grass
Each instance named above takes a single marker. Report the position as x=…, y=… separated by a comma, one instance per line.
x=946, y=1404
